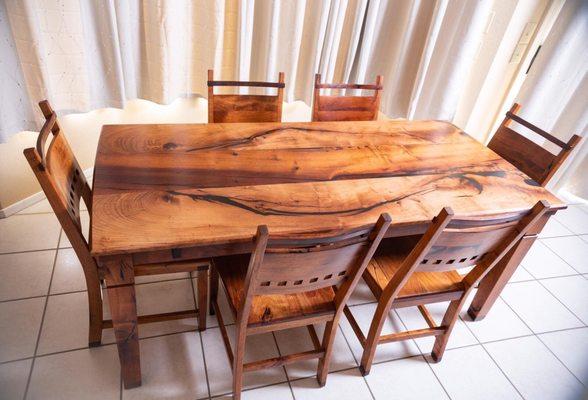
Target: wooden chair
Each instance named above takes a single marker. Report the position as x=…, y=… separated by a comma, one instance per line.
x=346, y=108
x=245, y=107
x=415, y=271
x=65, y=186
x=289, y=283
x=526, y=155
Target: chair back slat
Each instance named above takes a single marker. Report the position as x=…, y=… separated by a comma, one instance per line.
x=346, y=108
x=302, y=269
x=60, y=175
x=526, y=155
x=314, y=265
x=244, y=108
x=460, y=247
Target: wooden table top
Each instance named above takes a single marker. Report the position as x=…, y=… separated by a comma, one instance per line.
x=171, y=186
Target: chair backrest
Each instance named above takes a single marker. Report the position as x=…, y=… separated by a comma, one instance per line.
x=245, y=107
x=61, y=178
x=346, y=108
x=530, y=158
x=282, y=266
x=453, y=243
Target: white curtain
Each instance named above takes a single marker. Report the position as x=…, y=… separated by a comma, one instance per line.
x=555, y=93
x=98, y=53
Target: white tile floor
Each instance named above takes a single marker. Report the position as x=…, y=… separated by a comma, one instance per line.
x=532, y=345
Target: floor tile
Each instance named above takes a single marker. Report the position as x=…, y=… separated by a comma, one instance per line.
x=25, y=274
x=257, y=347
x=538, y=308
x=162, y=277
x=571, y=347
x=19, y=327
x=361, y=295
x=554, y=228
x=58, y=336
x=500, y=323
x=28, y=232
x=573, y=292
x=274, y=392
x=227, y=314
x=85, y=220
x=172, y=367
x=340, y=386
x=296, y=340
x=83, y=374
x=164, y=297
x=409, y=378
x=469, y=373
x=13, y=379
x=574, y=218
x=542, y=262
x=572, y=249
x=42, y=206
x=520, y=275
x=533, y=369
x=68, y=275
x=385, y=352
x=413, y=319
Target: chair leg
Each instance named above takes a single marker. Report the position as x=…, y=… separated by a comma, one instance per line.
x=213, y=287
x=327, y=345
x=449, y=320
x=371, y=343
x=239, y=357
x=95, y=314
x=202, y=299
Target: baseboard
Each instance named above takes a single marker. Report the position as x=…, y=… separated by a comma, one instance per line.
x=32, y=200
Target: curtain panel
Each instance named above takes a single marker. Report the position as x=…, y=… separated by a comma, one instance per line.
x=90, y=54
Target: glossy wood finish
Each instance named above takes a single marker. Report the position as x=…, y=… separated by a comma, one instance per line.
x=245, y=107
x=427, y=272
x=525, y=154
x=292, y=283
x=346, y=107
x=177, y=192
x=65, y=186
x=164, y=187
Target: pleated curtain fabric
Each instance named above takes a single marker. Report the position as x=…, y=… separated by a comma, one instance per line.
x=555, y=93
x=88, y=54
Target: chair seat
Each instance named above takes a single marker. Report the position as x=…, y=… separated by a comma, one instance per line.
x=267, y=309
x=388, y=260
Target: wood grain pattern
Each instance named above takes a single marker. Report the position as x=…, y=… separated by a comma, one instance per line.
x=161, y=187
x=525, y=154
x=65, y=186
x=423, y=270
x=346, y=108
x=282, y=285
x=245, y=107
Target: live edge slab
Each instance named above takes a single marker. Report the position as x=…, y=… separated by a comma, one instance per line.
x=170, y=192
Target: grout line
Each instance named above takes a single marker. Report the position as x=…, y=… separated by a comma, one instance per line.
x=200, y=333
x=83, y=291
x=42, y=321
x=561, y=362
x=424, y=357
x=561, y=302
x=560, y=257
x=489, y=355
x=283, y=366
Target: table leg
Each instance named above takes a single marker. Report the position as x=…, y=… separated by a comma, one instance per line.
x=120, y=287
x=492, y=284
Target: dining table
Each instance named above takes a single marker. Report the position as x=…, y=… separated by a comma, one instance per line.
x=165, y=192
